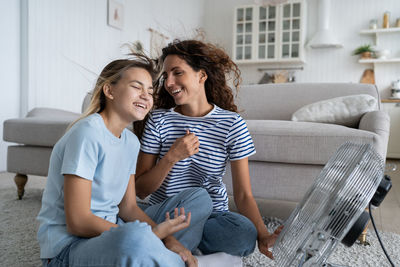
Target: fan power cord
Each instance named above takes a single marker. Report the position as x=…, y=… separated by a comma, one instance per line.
x=377, y=235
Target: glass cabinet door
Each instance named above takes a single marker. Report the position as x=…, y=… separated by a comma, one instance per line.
x=267, y=24
x=244, y=33
x=290, y=31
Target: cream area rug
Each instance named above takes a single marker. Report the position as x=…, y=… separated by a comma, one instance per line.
x=19, y=248
x=356, y=256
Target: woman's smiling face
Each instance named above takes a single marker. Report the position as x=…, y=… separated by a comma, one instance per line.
x=133, y=94
x=183, y=83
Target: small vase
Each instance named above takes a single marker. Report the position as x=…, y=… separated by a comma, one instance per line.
x=366, y=55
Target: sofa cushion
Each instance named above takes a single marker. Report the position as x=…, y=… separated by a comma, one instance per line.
x=345, y=110
x=301, y=142
x=41, y=127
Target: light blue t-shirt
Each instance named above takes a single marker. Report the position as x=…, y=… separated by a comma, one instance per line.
x=91, y=151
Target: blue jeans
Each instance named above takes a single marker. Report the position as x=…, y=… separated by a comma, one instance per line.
x=134, y=243
x=194, y=200
x=130, y=244
x=228, y=232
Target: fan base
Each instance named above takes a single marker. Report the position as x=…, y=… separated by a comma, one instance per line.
x=363, y=238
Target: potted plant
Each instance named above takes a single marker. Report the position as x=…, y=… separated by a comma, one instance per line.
x=365, y=51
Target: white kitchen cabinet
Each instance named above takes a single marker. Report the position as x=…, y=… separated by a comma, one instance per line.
x=269, y=33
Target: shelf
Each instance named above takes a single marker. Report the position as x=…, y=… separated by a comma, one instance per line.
x=377, y=60
x=390, y=100
x=374, y=31
x=271, y=61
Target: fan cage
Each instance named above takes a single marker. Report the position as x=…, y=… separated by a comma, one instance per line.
x=331, y=206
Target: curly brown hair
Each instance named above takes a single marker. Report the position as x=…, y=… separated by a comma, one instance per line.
x=202, y=56
x=199, y=56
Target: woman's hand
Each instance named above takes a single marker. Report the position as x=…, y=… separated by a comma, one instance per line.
x=171, y=226
x=267, y=241
x=174, y=245
x=184, y=147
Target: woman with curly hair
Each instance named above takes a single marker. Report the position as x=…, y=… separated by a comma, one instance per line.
x=189, y=138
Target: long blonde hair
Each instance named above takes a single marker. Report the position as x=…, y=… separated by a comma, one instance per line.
x=111, y=74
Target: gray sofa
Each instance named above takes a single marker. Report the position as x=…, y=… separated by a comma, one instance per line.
x=289, y=154
x=35, y=136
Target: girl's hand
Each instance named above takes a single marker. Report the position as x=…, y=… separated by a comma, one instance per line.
x=267, y=241
x=174, y=245
x=184, y=147
x=171, y=226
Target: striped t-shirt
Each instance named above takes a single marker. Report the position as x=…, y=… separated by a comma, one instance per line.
x=223, y=136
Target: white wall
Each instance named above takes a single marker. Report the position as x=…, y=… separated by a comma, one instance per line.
x=174, y=18
x=347, y=18
x=68, y=36
x=9, y=68
x=62, y=37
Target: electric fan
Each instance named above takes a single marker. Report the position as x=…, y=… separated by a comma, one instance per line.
x=330, y=207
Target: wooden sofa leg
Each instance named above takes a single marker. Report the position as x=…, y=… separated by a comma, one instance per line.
x=20, y=180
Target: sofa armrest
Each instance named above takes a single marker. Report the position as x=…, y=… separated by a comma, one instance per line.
x=41, y=127
x=34, y=131
x=53, y=113
x=377, y=122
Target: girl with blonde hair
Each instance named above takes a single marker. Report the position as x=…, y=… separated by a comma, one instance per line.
x=89, y=215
